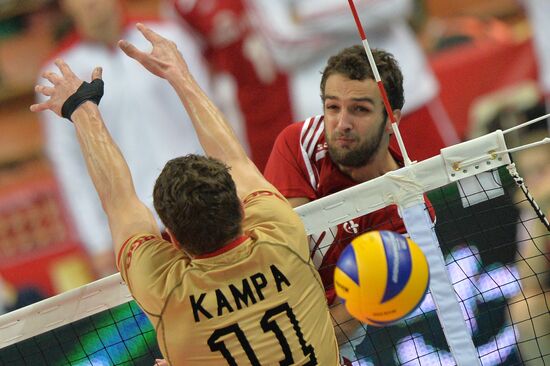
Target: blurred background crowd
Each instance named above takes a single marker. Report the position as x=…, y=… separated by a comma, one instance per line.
x=470, y=67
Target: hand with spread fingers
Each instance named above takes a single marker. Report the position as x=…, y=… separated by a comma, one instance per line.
x=64, y=85
x=164, y=60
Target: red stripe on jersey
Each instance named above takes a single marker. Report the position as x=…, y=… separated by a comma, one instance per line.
x=138, y=241
x=309, y=136
x=310, y=133
x=262, y=193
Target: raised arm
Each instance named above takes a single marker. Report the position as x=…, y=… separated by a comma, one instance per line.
x=216, y=136
x=109, y=172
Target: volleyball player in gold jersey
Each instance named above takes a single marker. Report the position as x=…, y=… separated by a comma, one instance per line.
x=236, y=285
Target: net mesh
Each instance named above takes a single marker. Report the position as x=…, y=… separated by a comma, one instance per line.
x=119, y=336
x=497, y=256
x=498, y=260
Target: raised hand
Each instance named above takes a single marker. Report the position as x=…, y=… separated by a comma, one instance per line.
x=164, y=60
x=63, y=86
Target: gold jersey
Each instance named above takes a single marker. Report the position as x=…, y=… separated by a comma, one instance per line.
x=257, y=301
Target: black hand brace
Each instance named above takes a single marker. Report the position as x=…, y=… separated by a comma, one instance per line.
x=86, y=91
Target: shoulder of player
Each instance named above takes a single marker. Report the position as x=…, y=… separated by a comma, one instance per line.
x=282, y=240
x=311, y=132
x=268, y=210
x=133, y=243
x=263, y=193
x=305, y=132
x=288, y=235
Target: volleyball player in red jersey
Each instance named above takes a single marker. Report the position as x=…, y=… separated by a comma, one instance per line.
x=348, y=145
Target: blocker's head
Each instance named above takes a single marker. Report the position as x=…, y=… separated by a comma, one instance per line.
x=196, y=199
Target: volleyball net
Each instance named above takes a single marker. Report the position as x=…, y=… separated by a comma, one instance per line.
x=489, y=265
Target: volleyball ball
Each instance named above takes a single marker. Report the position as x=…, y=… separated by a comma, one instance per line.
x=382, y=277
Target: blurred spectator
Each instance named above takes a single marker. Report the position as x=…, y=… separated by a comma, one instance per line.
x=250, y=89
x=142, y=111
x=302, y=34
x=538, y=12
x=12, y=299
x=5, y=296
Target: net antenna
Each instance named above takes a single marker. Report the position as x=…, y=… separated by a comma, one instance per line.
x=381, y=87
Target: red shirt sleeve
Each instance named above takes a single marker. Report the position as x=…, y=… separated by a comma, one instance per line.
x=285, y=167
x=203, y=18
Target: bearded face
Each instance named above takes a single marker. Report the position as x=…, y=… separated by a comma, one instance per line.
x=350, y=149
x=355, y=121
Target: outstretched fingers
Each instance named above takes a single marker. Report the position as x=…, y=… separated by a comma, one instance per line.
x=131, y=50
x=64, y=68
x=39, y=107
x=149, y=34
x=44, y=90
x=47, y=91
x=52, y=77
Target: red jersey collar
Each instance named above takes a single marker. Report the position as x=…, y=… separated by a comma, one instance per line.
x=235, y=243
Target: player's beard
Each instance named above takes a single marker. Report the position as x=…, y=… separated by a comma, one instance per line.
x=362, y=154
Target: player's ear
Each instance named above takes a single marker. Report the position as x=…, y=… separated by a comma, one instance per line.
x=397, y=116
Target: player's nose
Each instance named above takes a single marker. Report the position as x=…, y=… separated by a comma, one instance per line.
x=345, y=121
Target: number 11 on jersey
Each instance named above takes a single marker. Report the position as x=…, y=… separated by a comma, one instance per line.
x=268, y=324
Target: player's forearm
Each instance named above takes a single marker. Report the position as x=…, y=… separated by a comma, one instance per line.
x=106, y=165
x=214, y=132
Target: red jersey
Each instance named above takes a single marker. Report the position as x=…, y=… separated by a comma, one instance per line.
x=235, y=49
x=299, y=166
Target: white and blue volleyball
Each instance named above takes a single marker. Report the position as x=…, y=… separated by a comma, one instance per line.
x=382, y=276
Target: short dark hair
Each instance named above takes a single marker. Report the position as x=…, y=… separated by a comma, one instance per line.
x=353, y=63
x=196, y=198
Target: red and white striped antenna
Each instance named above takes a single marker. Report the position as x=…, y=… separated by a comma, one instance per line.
x=374, y=68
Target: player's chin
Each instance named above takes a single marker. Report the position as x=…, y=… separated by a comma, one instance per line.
x=340, y=156
x=342, y=147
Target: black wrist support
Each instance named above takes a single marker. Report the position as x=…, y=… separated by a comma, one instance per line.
x=86, y=91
